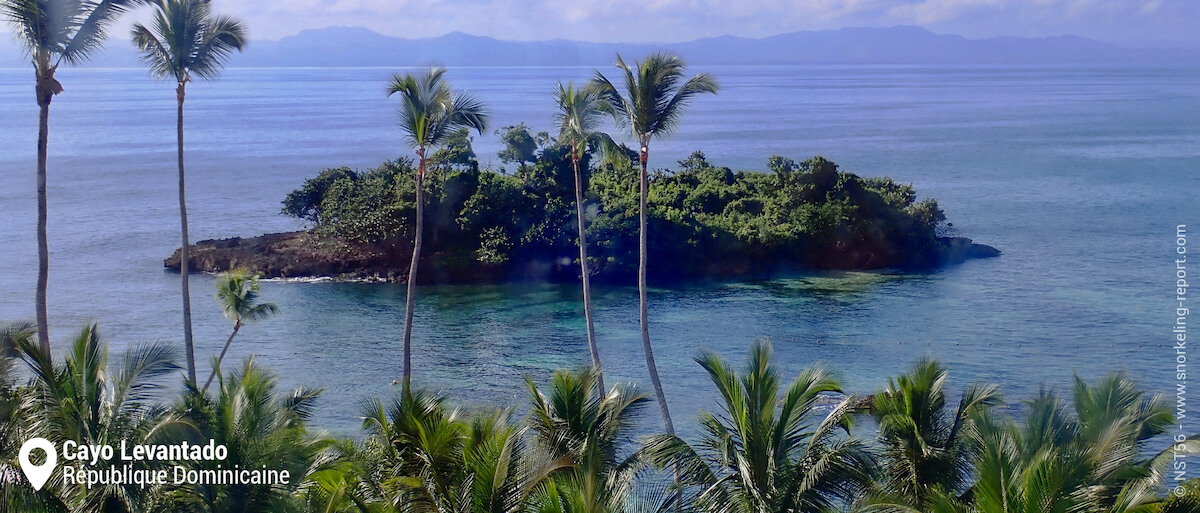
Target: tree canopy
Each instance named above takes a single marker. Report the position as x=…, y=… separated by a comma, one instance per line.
x=706, y=219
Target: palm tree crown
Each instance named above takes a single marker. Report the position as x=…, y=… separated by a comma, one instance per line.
x=654, y=97
x=586, y=425
x=769, y=451
x=62, y=30
x=578, y=117
x=187, y=39
x=431, y=110
x=927, y=444
x=237, y=294
x=86, y=401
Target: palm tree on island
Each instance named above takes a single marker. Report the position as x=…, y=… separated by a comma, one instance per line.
x=579, y=113
x=651, y=107
x=187, y=40
x=429, y=113
x=53, y=33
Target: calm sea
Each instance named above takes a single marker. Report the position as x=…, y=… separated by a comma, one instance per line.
x=1079, y=175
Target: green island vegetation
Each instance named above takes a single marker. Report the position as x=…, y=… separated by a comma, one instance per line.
x=704, y=220
x=770, y=445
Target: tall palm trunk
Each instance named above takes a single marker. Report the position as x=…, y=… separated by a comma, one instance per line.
x=46, y=89
x=409, y=302
x=583, y=268
x=180, y=92
x=236, y=326
x=645, y=317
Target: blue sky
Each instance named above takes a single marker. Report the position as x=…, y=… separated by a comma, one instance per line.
x=1125, y=22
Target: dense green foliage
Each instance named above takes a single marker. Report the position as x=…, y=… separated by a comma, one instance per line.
x=768, y=448
x=705, y=219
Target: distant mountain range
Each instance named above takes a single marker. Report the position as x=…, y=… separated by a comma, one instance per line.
x=354, y=47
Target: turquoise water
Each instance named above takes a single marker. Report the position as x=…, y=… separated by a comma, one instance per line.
x=1079, y=175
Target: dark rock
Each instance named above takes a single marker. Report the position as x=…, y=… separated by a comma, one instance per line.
x=957, y=250
x=304, y=255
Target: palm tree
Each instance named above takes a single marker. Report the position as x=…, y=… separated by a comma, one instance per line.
x=259, y=425
x=1093, y=457
x=54, y=32
x=16, y=420
x=578, y=116
x=187, y=40
x=651, y=107
x=768, y=452
x=343, y=480
x=428, y=456
x=85, y=401
x=237, y=293
x=429, y=113
x=586, y=426
x=925, y=443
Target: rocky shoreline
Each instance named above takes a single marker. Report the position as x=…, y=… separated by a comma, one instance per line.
x=294, y=255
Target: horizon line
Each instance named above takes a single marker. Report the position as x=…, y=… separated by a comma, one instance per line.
x=11, y=43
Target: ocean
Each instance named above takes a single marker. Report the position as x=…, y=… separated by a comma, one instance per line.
x=1079, y=175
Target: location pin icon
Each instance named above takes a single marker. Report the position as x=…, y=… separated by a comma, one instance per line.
x=37, y=474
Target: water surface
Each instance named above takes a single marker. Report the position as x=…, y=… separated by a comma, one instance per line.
x=1079, y=175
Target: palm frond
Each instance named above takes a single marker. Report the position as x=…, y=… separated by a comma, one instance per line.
x=430, y=110
x=188, y=40
x=90, y=29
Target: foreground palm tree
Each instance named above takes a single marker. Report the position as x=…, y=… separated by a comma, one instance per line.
x=85, y=401
x=578, y=116
x=427, y=456
x=187, y=40
x=1093, y=457
x=651, y=106
x=767, y=451
x=585, y=425
x=928, y=448
x=15, y=427
x=429, y=113
x=262, y=427
x=237, y=293
x=53, y=32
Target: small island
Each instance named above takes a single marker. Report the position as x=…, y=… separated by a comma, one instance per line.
x=494, y=226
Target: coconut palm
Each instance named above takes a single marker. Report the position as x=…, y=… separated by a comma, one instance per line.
x=342, y=481
x=768, y=452
x=54, y=32
x=15, y=424
x=430, y=112
x=1187, y=500
x=575, y=421
x=428, y=456
x=652, y=105
x=237, y=293
x=260, y=426
x=185, y=41
x=1093, y=457
x=926, y=445
x=85, y=401
x=578, y=116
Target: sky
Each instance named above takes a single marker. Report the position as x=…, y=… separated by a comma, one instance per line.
x=1130, y=23
x=1124, y=22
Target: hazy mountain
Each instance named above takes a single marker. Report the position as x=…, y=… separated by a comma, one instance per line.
x=343, y=46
